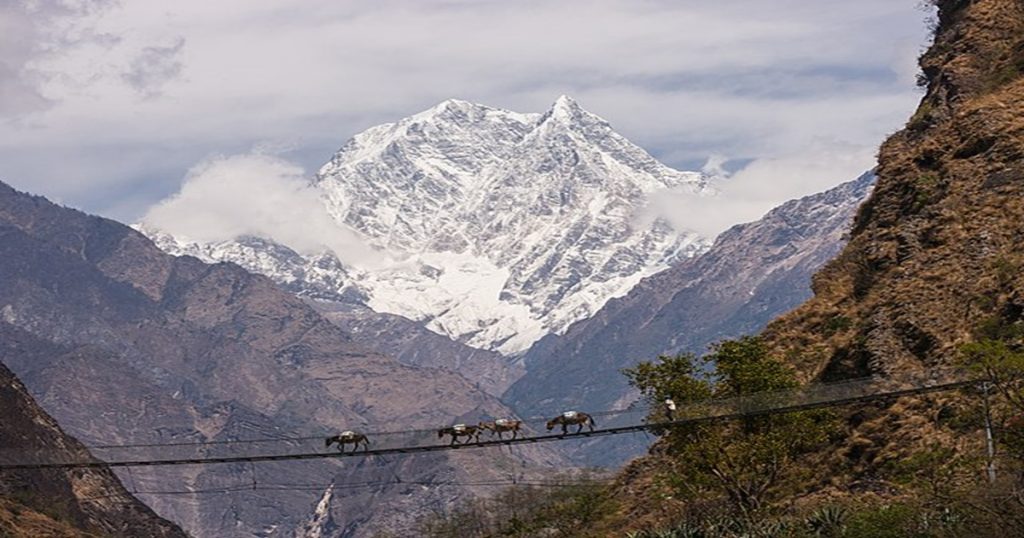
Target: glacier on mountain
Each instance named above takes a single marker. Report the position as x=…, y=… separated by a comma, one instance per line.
x=496, y=227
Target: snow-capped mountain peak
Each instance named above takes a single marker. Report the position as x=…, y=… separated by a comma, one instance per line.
x=507, y=226
x=566, y=110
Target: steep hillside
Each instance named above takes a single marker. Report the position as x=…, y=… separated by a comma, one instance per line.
x=58, y=503
x=752, y=273
x=494, y=228
x=411, y=343
x=327, y=286
x=936, y=249
x=933, y=262
x=145, y=347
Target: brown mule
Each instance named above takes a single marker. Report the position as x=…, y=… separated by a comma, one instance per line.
x=570, y=418
x=501, y=426
x=469, y=431
x=348, y=438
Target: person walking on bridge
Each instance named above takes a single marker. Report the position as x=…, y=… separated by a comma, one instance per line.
x=670, y=409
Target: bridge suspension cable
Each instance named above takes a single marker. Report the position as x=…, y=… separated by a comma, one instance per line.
x=423, y=441
x=335, y=486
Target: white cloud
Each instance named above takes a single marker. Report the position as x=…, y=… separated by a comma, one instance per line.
x=24, y=38
x=685, y=79
x=254, y=194
x=760, y=186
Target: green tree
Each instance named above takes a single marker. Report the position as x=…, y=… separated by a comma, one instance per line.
x=999, y=363
x=523, y=511
x=745, y=460
x=996, y=357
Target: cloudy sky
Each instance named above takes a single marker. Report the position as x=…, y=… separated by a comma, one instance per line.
x=107, y=105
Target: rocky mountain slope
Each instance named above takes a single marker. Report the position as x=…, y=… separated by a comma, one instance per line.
x=498, y=227
x=752, y=273
x=935, y=250
x=324, y=282
x=57, y=503
x=933, y=262
x=935, y=254
x=146, y=347
x=411, y=343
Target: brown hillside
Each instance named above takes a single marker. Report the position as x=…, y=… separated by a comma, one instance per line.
x=936, y=249
x=934, y=255
x=38, y=503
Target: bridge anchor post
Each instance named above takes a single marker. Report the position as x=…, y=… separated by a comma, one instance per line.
x=990, y=448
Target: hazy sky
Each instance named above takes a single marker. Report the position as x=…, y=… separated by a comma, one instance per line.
x=107, y=105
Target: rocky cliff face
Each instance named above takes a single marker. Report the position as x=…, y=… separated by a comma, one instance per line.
x=935, y=252
x=933, y=262
x=155, y=349
x=752, y=273
x=38, y=503
x=499, y=227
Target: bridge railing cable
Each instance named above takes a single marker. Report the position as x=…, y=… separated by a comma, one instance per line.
x=299, y=447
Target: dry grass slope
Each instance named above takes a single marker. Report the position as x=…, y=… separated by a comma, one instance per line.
x=934, y=253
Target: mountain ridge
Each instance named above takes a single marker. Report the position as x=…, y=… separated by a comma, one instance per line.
x=753, y=272
x=57, y=502
x=733, y=278
x=502, y=226
x=162, y=349
x=929, y=284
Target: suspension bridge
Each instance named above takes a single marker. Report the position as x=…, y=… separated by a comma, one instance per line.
x=295, y=448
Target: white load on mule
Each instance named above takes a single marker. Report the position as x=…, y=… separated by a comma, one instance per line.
x=570, y=414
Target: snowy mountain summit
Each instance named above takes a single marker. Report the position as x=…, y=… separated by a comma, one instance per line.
x=500, y=227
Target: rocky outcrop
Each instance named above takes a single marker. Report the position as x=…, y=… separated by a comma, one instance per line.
x=156, y=349
x=935, y=251
x=57, y=502
x=934, y=256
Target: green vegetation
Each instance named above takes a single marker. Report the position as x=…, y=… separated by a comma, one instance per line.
x=927, y=188
x=922, y=116
x=1001, y=364
x=740, y=464
x=523, y=512
x=899, y=520
x=997, y=356
x=836, y=324
x=740, y=478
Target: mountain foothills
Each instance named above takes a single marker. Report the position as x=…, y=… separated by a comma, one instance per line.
x=37, y=503
x=929, y=284
x=122, y=343
x=494, y=228
x=411, y=343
